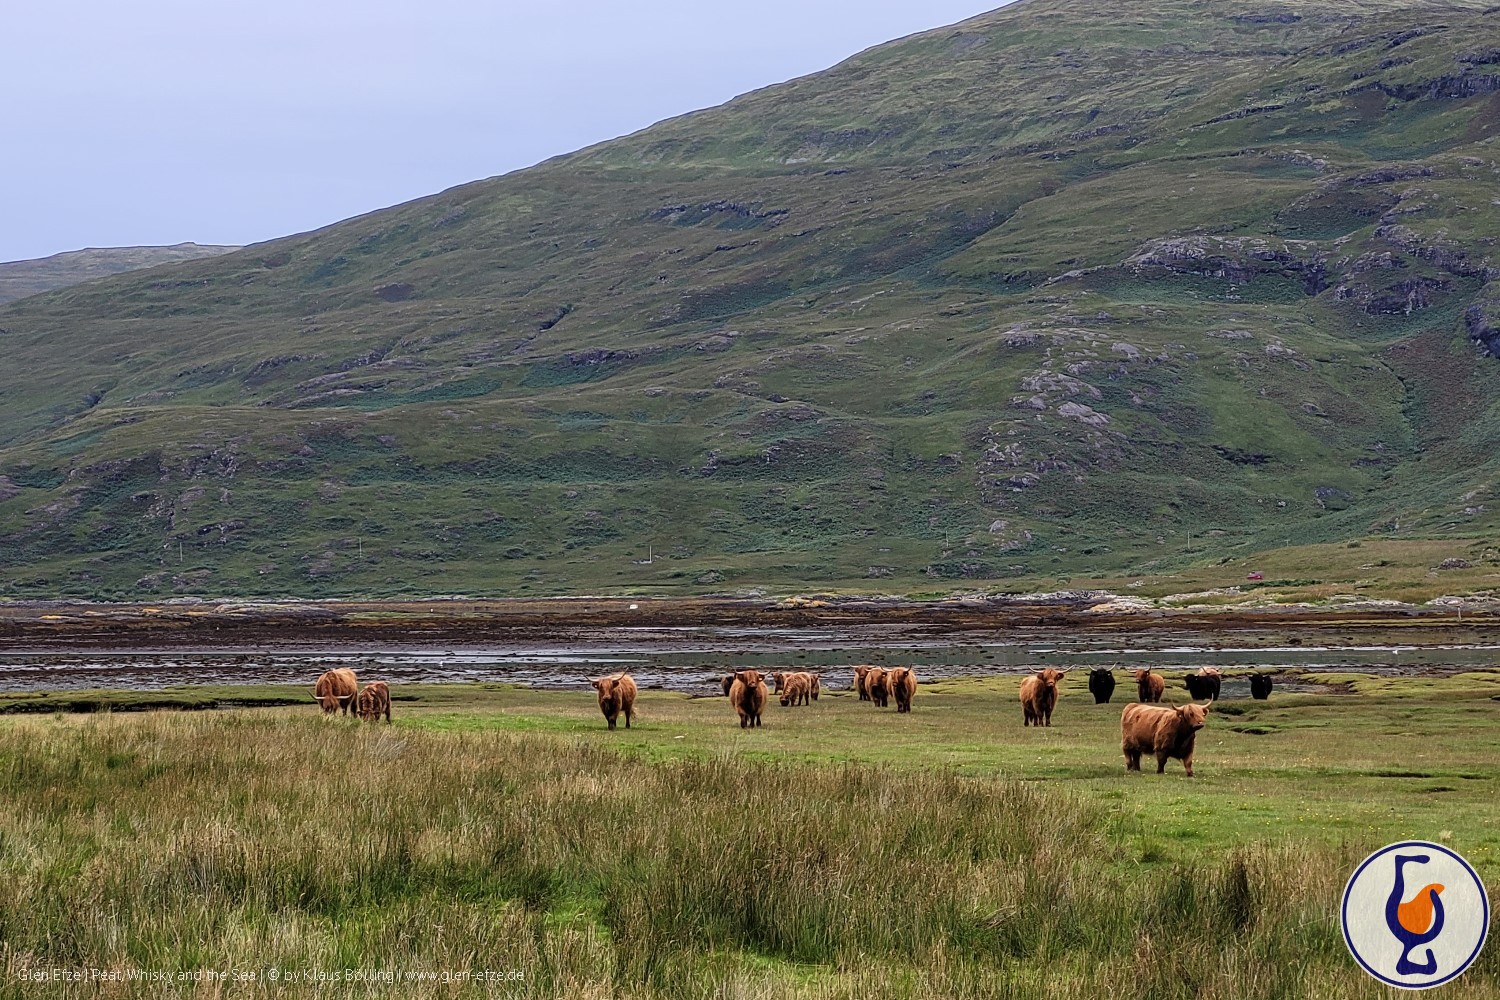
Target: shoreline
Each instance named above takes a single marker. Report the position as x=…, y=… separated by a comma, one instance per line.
x=233, y=624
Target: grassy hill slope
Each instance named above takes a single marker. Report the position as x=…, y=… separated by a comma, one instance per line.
x=1065, y=290
x=20, y=278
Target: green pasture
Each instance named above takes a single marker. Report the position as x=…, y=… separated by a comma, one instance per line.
x=837, y=851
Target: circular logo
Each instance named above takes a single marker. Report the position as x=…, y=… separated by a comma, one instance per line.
x=1415, y=915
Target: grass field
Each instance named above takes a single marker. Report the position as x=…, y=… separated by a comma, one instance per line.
x=839, y=851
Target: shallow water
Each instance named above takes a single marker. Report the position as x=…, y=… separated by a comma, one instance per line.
x=692, y=659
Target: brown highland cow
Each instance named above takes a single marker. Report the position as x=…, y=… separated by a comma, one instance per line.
x=1039, y=696
x=616, y=697
x=1149, y=686
x=1161, y=730
x=374, y=700
x=748, y=696
x=902, y=683
x=336, y=689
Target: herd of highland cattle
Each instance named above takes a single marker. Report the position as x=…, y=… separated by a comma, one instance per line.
x=1146, y=727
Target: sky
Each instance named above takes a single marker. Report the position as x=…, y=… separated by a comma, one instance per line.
x=230, y=121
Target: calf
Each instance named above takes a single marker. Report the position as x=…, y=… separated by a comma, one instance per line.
x=616, y=697
x=1260, y=686
x=902, y=682
x=1161, y=730
x=1149, y=686
x=796, y=689
x=374, y=701
x=748, y=696
x=1204, y=684
x=1101, y=684
x=1039, y=696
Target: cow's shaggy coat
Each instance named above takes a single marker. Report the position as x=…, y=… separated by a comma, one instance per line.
x=616, y=697
x=335, y=690
x=1161, y=730
x=1039, y=696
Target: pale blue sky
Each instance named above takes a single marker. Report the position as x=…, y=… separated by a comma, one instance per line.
x=226, y=121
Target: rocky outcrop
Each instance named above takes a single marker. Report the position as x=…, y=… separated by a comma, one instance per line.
x=1482, y=321
x=1441, y=253
x=396, y=291
x=1239, y=259
x=1399, y=298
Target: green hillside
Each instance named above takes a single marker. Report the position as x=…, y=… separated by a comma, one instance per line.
x=20, y=278
x=1067, y=291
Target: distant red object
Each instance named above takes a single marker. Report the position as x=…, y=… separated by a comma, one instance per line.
x=1255, y=576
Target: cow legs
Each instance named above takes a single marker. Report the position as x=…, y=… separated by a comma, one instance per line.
x=611, y=724
x=628, y=714
x=1132, y=760
x=1161, y=763
x=1187, y=762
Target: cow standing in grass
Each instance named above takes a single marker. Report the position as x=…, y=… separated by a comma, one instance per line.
x=616, y=697
x=336, y=689
x=374, y=700
x=875, y=683
x=1260, y=686
x=862, y=682
x=725, y=682
x=902, y=682
x=1148, y=686
x=1162, y=730
x=1101, y=684
x=748, y=696
x=796, y=689
x=1205, y=684
x=1039, y=696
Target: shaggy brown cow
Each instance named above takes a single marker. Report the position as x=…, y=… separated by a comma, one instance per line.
x=1161, y=730
x=876, y=683
x=373, y=701
x=748, y=696
x=902, y=682
x=817, y=685
x=616, y=697
x=1149, y=686
x=796, y=689
x=1039, y=696
x=862, y=682
x=724, y=683
x=336, y=689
